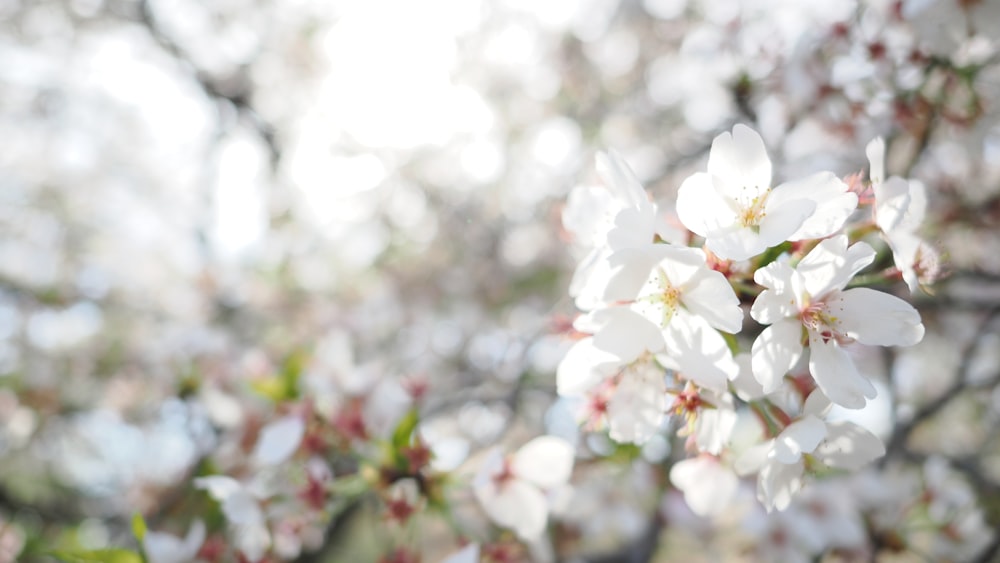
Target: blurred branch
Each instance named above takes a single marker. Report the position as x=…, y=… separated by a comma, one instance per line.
x=901, y=434
x=235, y=89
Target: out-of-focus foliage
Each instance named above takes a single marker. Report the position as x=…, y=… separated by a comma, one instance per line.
x=277, y=275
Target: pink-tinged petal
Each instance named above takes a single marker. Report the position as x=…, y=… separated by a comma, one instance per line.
x=625, y=333
x=782, y=220
x=638, y=405
x=708, y=487
x=833, y=204
x=849, y=446
x=622, y=182
x=740, y=161
x=799, y=437
x=875, y=151
x=831, y=265
x=279, y=440
x=892, y=198
x=778, y=483
x=700, y=208
x=700, y=351
x=545, y=461
x=876, y=318
x=774, y=352
x=515, y=504
x=836, y=375
x=710, y=295
x=582, y=367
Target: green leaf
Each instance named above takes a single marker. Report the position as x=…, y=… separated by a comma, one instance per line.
x=772, y=254
x=138, y=527
x=283, y=386
x=404, y=430
x=98, y=556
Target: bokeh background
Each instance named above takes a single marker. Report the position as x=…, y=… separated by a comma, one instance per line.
x=195, y=196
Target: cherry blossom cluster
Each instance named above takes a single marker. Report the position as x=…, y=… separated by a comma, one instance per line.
x=662, y=338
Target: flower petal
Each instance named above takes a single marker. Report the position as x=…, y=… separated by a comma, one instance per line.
x=831, y=265
x=545, y=461
x=515, y=504
x=876, y=318
x=710, y=295
x=799, y=437
x=778, y=483
x=622, y=181
x=836, y=375
x=279, y=440
x=833, y=204
x=774, y=352
x=782, y=298
x=625, y=333
x=700, y=351
x=708, y=486
x=638, y=406
x=875, y=151
x=740, y=161
x=849, y=446
x=700, y=208
x=784, y=219
x=892, y=198
x=582, y=367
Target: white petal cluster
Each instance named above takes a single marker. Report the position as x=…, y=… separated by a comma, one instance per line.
x=663, y=316
x=512, y=490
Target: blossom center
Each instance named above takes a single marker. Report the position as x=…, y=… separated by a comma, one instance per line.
x=817, y=318
x=658, y=299
x=751, y=212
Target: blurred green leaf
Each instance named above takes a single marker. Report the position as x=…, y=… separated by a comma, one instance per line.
x=138, y=527
x=98, y=556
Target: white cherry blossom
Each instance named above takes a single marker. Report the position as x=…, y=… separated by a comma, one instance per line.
x=512, y=489
x=605, y=219
x=674, y=302
x=900, y=206
x=809, y=303
x=779, y=461
x=242, y=510
x=161, y=547
x=740, y=215
x=708, y=486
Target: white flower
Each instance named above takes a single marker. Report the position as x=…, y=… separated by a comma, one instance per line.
x=510, y=490
x=674, y=301
x=279, y=440
x=810, y=301
x=243, y=512
x=167, y=548
x=900, y=206
x=779, y=461
x=738, y=212
x=708, y=486
x=605, y=220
